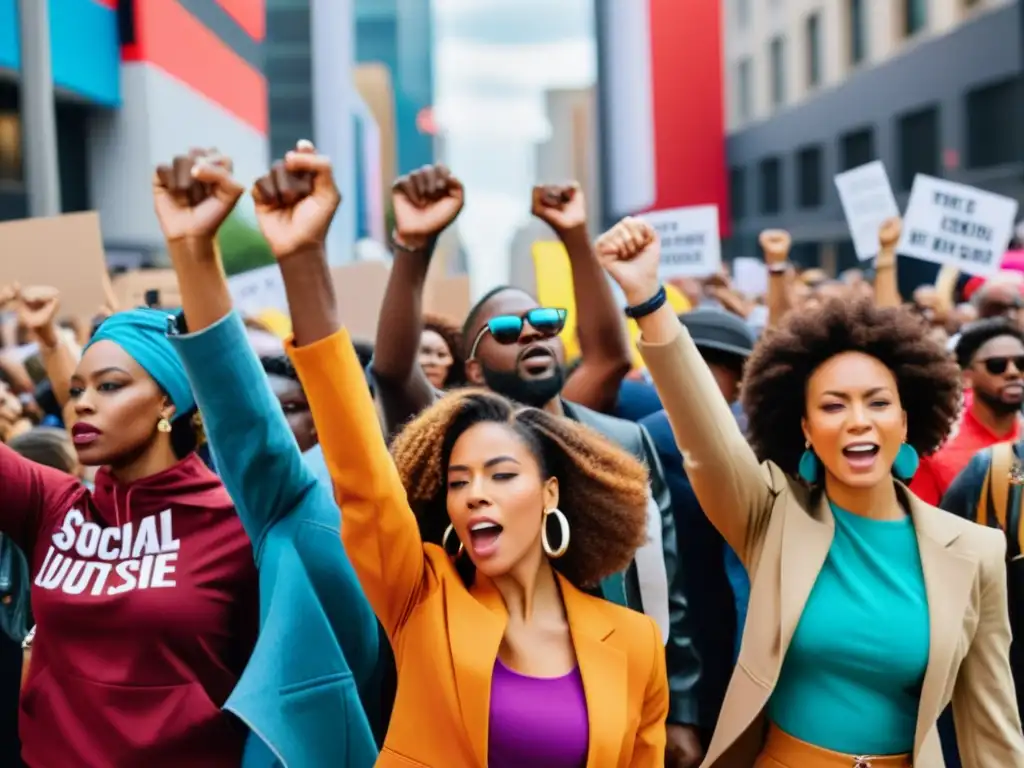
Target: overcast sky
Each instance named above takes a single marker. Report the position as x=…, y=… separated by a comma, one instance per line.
x=494, y=59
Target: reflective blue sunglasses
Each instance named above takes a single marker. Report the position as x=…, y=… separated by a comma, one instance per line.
x=506, y=329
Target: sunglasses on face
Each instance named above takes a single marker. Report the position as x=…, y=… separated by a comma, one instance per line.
x=997, y=366
x=506, y=329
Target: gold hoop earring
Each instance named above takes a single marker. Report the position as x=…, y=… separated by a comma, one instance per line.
x=563, y=524
x=448, y=533
x=163, y=426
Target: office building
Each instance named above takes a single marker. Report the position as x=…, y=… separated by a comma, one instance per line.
x=137, y=81
x=816, y=87
x=393, y=34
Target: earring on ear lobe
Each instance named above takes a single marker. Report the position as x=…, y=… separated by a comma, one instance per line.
x=906, y=463
x=448, y=533
x=163, y=425
x=807, y=469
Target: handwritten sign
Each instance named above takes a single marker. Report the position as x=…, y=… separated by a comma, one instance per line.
x=950, y=223
x=867, y=199
x=690, y=245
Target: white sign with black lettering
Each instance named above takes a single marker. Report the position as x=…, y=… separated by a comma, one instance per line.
x=950, y=223
x=867, y=199
x=690, y=245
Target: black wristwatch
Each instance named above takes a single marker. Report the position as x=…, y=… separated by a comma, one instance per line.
x=648, y=307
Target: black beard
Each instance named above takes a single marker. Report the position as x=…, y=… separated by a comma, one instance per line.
x=999, y=407
x=535, y=393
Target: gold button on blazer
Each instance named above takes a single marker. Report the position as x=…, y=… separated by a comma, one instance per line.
x=782, y=533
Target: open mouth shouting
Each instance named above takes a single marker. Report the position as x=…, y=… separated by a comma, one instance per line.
x=536, y=361
x=861, y=457
x=484, y=535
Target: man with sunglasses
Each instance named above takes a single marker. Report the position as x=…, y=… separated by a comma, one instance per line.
x=991, y=354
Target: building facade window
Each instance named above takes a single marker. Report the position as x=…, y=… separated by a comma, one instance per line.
x=808, y=177
x=742, y=13
x=738, y=193
x=856, y=148
x=770, y=172
x=744, y=90
x=856, y=32
x=994, y=124
x=813, y=49
x=915, y=16
x=918, y=136
x=777, y=57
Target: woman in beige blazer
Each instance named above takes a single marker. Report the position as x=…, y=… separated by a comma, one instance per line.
x=869, y=610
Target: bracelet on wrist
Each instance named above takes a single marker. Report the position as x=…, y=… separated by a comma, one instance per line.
x=398, y=245
x=651, y=305
x=778, y=269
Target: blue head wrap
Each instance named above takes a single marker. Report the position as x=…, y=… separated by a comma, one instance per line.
x=142, y=333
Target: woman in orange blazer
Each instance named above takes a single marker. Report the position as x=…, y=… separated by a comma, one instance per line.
x=503, y=659
x=869, y=610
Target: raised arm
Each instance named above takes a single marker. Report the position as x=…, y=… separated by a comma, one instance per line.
x=380, y=533
x=255, y=454
x=605, y=353
x=733, y=489
x=887, y=292
x=425, y=202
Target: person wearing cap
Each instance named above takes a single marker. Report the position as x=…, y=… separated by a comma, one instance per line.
x=714, y=575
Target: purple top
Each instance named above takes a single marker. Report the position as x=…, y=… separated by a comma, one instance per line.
x=537, y=721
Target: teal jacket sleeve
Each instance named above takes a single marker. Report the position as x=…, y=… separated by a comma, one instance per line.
x=259, y=463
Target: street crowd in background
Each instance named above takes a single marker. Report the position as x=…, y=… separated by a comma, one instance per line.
x=790, y=538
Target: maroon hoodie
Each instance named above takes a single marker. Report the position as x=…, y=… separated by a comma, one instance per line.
x=145, y=601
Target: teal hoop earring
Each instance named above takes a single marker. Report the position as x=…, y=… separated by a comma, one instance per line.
x=807, y=469
x=906, y=463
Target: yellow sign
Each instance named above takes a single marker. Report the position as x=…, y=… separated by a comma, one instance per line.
x=555, y=289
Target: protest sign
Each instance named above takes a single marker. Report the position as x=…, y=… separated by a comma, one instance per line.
x=130, y=288
x=750, y=276
x=867, y=200
x=65, y=252
x=258, y=290
x=690, y=245
x=950, y=223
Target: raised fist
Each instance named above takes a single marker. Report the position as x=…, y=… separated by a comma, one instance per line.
x=631, y=253
x=296, y=201
x=8, y=294
x=38, y=312
x=775, y=243
x=425, y=203
x=561, y=206
x=890, y=231
x=194, y=194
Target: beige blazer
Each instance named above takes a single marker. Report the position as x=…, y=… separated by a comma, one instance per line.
x=783, y=536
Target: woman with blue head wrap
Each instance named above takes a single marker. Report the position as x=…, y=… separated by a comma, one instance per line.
x=145, y=590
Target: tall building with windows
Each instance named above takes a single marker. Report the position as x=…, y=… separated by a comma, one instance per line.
x=137, y=82
x=815, y=87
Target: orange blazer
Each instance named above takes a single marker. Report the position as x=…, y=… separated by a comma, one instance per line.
x=782, y=534
x=445, y=636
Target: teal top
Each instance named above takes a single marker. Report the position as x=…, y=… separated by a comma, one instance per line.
x=851, y=680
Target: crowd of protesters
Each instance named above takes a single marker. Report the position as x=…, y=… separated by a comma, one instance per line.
x=790, y=540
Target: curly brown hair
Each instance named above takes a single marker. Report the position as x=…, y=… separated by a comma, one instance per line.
x=451, y=332
x=602, y=488
x=776, y=374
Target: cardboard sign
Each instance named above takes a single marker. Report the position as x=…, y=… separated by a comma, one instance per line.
x=65, y=252
x=130, y=287
x=690, y=245
x=867, y=200
x=258, y=290
x=950, y=223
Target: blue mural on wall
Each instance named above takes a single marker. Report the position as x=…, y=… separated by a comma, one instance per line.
x=85, y=48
